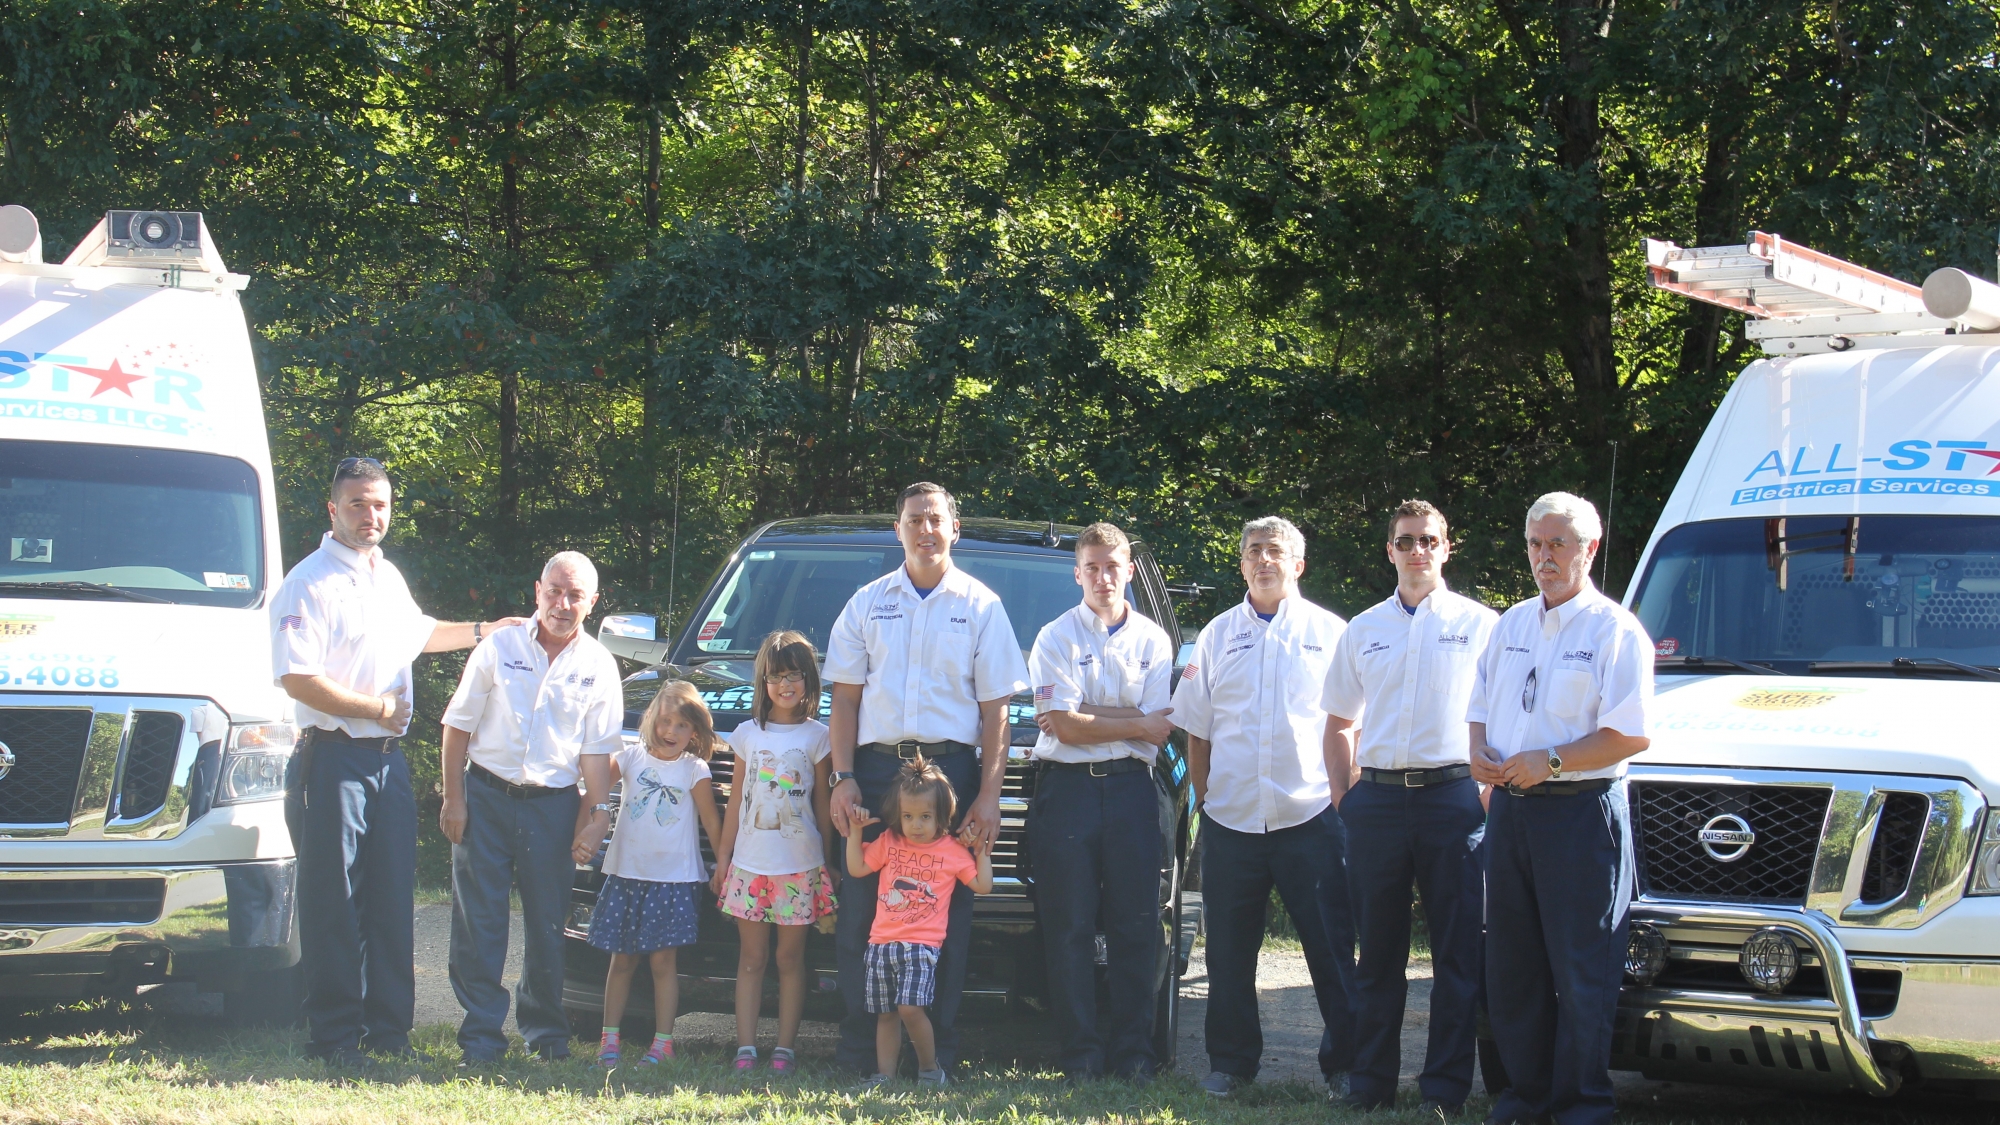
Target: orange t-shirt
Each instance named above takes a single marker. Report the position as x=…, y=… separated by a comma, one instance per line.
x=913, y=898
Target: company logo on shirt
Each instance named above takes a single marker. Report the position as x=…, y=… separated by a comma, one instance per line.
x=1374, y=647
x=1579, y=654
x=590, y=681
x=517, y=666
x=1145, y=664
x=1454, y=639
x=1086, y=660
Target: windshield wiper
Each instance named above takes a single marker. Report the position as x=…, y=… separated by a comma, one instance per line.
x=1711, y=664
x=712, y=657
x=94, y=589
x=1904, y=664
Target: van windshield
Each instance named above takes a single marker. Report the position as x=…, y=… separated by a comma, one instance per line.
x=1827, y=588
x=804, y=588
x=160, y=523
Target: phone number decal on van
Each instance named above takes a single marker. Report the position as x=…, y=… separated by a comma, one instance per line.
x=1876, y=486
x=57, y=671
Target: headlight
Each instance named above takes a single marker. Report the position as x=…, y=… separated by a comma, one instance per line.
x=254, y=761
x=1986, y=861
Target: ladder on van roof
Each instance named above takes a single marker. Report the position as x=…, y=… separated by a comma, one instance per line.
x=1798, y=301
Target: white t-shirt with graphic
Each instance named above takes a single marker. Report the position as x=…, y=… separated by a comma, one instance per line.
x=776, y=833
x=658, y=838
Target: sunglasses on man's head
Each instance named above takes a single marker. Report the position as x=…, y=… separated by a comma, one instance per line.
x=347, y=463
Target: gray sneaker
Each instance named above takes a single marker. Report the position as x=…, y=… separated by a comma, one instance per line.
x=1221, y=1085
x=872, y=1082
x=936, y=1077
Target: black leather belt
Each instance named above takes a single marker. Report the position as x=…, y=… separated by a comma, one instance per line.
x=1416, y=779
x=1563, y=788
x=1098, y=769
x=385, y=744
x=910, y=748
x=518, y=792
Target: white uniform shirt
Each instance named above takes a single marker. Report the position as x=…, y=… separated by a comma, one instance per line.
x=1593, y=668
x=1077, y=661
x=347, y=616
x=924, y=663
x=531, y=718
x=1252, y=689
x=1407, y=679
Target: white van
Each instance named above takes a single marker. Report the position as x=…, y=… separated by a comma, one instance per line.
x=1818, y=856
x=143, y=744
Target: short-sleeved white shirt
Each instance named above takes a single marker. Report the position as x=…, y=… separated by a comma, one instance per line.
x=347, y=616
x=658, y=837
x=1593, y=666
x=925, y=663
x=1078, y=661
x=777, y=832
x=1253, y=690
x=531, y=718
x=1407, y=679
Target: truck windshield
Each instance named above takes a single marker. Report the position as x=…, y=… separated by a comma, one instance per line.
x=76, y=518
x=804, y=588
x=1827, y=588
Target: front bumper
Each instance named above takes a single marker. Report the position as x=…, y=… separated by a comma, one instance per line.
x=1942, y=1021
x=71, y=931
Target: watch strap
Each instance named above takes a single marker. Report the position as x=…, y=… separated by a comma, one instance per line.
x=837, y=777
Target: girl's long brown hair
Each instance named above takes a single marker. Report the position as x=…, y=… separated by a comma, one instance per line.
x=785, y=651
x=681, y=696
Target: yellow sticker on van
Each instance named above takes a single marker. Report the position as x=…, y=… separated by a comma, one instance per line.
x=14, y=626
x=1790, y=699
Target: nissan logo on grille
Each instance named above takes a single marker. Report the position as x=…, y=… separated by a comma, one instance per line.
x=1727, y=838
x=6, y=760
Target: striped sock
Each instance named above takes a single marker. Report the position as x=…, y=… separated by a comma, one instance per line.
x=663, y=1047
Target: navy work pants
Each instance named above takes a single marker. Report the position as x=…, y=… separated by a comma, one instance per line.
x=873, y=772
x=1555, y=952
x=1096, y=844
x=521, y=844
x=1307, y=865
x=1428, y=838
x=353, y=820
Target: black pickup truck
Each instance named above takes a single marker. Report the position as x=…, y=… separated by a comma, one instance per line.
x=797, y=574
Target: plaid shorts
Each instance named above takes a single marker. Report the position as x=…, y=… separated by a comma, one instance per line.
x=900, y=972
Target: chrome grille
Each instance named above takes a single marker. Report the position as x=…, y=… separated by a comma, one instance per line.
x=1777, y=868
x=1894, y=852
x=48, y=745
x=80, y=902
x=149, y=764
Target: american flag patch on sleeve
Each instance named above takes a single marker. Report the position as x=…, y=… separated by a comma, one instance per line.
x=1045, y=693
x=1188, y=672
x=292, y=621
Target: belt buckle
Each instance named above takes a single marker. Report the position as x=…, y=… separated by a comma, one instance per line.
x=1099, y=769
x=909, y=748
x=1410, y=780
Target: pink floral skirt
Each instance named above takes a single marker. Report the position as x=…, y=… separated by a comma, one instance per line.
x=788, y=900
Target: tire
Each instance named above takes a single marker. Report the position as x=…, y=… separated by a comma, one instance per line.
x=269, y=998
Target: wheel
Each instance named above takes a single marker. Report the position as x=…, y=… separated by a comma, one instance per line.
x=267, y=998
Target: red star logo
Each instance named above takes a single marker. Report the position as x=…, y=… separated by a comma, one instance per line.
x=111, y=378
x=1993, y=453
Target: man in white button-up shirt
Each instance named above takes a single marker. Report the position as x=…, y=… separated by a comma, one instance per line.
x=1249, y=700
x=1562, y=700
x=921, y=661
x=538, y=707
x=1404, y=672
x=1102, y=674
x=343, y=633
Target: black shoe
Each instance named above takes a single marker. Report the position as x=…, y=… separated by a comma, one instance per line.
x=1363, y=1103
x=477, y=1060
x=1434, y=1110
x=345, y=1058
x=555, y=1051
x=1220, y=1084
x=404, y=1053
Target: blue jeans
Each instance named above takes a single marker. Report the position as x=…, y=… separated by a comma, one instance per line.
x=524, y=845
x=1307, y=865
x=1554, y=958
x=353, y=821
x=1096, y=848
x=873, y=772
x=1426, y=838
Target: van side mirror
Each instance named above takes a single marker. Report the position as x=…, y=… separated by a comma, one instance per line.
x=634, y=637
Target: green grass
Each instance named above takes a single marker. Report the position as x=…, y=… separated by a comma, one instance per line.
x=107, y=1063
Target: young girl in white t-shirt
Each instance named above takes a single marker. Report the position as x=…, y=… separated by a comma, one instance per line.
x=653, y=869
x=770, y=866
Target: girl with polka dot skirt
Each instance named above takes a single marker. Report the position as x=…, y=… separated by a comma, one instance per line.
x=653, y=870
x=770, y=866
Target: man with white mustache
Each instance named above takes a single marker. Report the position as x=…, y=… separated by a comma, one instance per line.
x=1562, y=699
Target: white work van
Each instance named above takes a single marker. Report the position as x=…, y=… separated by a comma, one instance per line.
x=1818, y=850
x=143, y=744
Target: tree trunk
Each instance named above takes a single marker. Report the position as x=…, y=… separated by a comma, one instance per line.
x=509, y=507
x=1715, y=224
x=1581, y=28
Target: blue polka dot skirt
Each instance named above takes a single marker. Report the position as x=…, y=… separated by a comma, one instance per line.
x=636, y=916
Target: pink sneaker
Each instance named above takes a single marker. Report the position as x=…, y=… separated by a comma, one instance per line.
x=781, y=1060
x=746, y=1058
x=661, y=1051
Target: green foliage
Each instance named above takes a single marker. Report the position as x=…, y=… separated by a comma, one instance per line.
x=631, y=276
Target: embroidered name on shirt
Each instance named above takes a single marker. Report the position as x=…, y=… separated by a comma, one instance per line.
x=886, y=617
x=1086, y=660
x=958, y=621
x=517, y=666
x=1374, y=647
x=1312, y=648
x=1516, y=648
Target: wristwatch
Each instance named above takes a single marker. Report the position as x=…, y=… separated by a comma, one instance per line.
x=477, y=626
x=601, y=807
x=839, y=776
x=1555, y=766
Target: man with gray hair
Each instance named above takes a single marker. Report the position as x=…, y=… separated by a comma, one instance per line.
x=538, y=707
x=1561, y=699
x=1260, y=756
